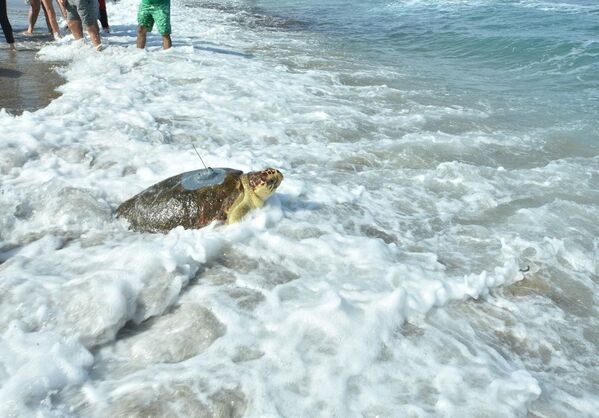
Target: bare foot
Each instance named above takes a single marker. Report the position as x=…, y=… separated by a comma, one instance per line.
x=27, y=33
x=12, y=47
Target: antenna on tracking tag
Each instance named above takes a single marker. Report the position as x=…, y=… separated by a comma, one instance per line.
x=200, y=157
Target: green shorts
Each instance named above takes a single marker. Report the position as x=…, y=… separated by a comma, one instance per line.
x=159, y=12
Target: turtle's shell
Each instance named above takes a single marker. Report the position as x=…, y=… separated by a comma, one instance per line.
x=192, y=200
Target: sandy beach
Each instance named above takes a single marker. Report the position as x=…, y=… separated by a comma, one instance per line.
x=26, y=83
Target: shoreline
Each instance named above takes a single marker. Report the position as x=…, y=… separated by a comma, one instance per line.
x=26, y=83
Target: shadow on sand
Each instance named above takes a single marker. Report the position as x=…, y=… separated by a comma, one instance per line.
x=154, y=40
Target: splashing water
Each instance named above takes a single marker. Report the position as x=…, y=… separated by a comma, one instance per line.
x=431, y=150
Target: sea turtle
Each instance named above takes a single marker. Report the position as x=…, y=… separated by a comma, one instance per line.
x=196, y=198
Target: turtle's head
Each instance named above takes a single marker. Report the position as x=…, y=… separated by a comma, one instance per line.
x=264, y=183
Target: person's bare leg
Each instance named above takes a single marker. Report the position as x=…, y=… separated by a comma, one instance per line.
x=48, y=25
x=166, y=41
x=34, y=11
x=141, y=37
x=51, y=17
x=63, y=10
x=75, y=28
x=94, y=34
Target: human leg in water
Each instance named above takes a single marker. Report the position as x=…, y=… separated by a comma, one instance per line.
x=49, y=13
x=6, y=27
x=80, y=13
x=147, y=15
x=34, y=11
x=51, y=18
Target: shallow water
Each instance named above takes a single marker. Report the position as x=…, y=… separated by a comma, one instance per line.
x=431, y=150
x=26, y=83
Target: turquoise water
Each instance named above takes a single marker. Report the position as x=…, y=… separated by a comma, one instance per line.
x=534, y=64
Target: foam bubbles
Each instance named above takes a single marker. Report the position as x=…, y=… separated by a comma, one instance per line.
x=173, y=337
x=36, y=365
x=383, y=278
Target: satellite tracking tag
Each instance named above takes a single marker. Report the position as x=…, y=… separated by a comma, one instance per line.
x=206, y=177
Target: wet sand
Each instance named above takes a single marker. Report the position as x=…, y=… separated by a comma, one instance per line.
x=26, y=83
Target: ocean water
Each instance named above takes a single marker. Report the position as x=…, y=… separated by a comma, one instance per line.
x=432, y=151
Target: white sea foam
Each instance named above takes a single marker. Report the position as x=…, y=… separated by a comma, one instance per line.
x=382, y=279
x=34, y=366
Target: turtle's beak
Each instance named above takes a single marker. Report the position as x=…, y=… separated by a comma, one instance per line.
x=274, y=179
